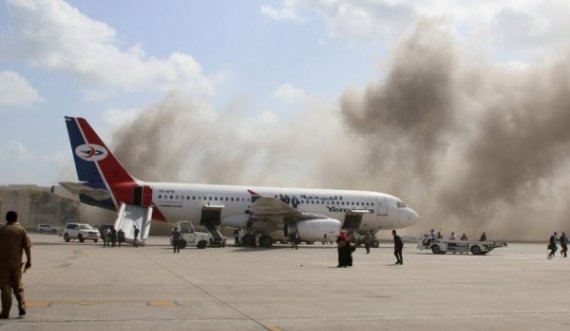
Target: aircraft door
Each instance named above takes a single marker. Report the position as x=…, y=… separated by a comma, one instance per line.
x=142, y=196
x=381, y=208
x=211, y=216
x=352, y=221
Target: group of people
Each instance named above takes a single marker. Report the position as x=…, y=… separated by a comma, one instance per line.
x=111, y=236
x=552, y=245
x=345, y=248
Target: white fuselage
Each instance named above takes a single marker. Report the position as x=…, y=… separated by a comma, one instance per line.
x=186, y=201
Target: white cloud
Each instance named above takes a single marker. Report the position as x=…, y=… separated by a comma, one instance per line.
x=289, y=93
x=15, y=90
x=52, y=34
x=516, y=29
x=14, y=151
x=285, y=13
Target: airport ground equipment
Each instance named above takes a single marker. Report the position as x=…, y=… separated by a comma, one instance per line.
x=442, y=246
x=191, y=237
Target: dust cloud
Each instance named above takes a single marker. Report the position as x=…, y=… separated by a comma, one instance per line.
x=470, y=144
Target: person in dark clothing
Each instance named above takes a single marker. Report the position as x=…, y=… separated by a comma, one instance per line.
x=344, y=251
x=483, y=237
x=14, y=241
x=120, y=236
x=552, y=246
x=135, y=239
x=368, y=241
x=113, y=237
x=176, y=239
x=398, y=246
x=236, y=236
x=564, y=244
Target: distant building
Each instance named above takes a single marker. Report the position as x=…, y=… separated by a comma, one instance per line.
x=37, y=205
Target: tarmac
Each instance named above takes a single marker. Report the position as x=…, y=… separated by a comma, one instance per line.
x=84, y=286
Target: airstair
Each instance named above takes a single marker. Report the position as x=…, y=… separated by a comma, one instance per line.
x=131, y=215
x=218, y=237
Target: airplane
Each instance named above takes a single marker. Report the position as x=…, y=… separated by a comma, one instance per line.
x=266, y=214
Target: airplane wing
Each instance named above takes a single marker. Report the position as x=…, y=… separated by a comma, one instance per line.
x=266, y=207
x=77, y=188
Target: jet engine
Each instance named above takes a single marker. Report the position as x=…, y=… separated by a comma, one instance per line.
x=316, y=230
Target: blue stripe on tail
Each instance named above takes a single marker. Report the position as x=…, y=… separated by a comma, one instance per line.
x=87, y=172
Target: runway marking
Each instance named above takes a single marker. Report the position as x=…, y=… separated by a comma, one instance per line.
x=151, y=303
x=161, y=303
x=38, y=304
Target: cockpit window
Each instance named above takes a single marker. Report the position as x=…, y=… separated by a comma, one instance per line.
x=400, y=204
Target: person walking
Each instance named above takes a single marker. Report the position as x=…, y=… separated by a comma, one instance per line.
x=552, y=245
x=564, y=244
x=398, y=247
x=368, y=241
x=13, y=242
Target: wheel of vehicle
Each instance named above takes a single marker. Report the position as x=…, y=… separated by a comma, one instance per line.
x=80, y=237
x=202, y=244
x=183, y=244
x=436, y=249
x=95, y=240
x=375, y=244
x=476, y=250
x=310, y=242
x=66, y=237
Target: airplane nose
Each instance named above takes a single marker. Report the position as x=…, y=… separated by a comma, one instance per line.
x=413, y=217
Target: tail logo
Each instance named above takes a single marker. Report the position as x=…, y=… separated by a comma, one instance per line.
x=91, y=152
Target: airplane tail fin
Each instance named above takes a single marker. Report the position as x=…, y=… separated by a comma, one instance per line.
x=95, y=164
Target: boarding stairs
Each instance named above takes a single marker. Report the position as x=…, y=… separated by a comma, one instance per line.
x=218, y=237
x=131, y=215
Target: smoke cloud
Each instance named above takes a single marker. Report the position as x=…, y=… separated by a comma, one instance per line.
x=471, y=145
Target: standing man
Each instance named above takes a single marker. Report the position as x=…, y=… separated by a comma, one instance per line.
x=176, y=240
x=135, y=243
x=13, y=242
x=398, y=246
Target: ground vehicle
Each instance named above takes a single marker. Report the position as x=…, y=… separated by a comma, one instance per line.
x=191, y=237
x=442, y=246
x=46, y=228
x=80, y=231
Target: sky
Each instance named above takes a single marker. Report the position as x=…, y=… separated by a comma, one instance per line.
x=385, y=95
